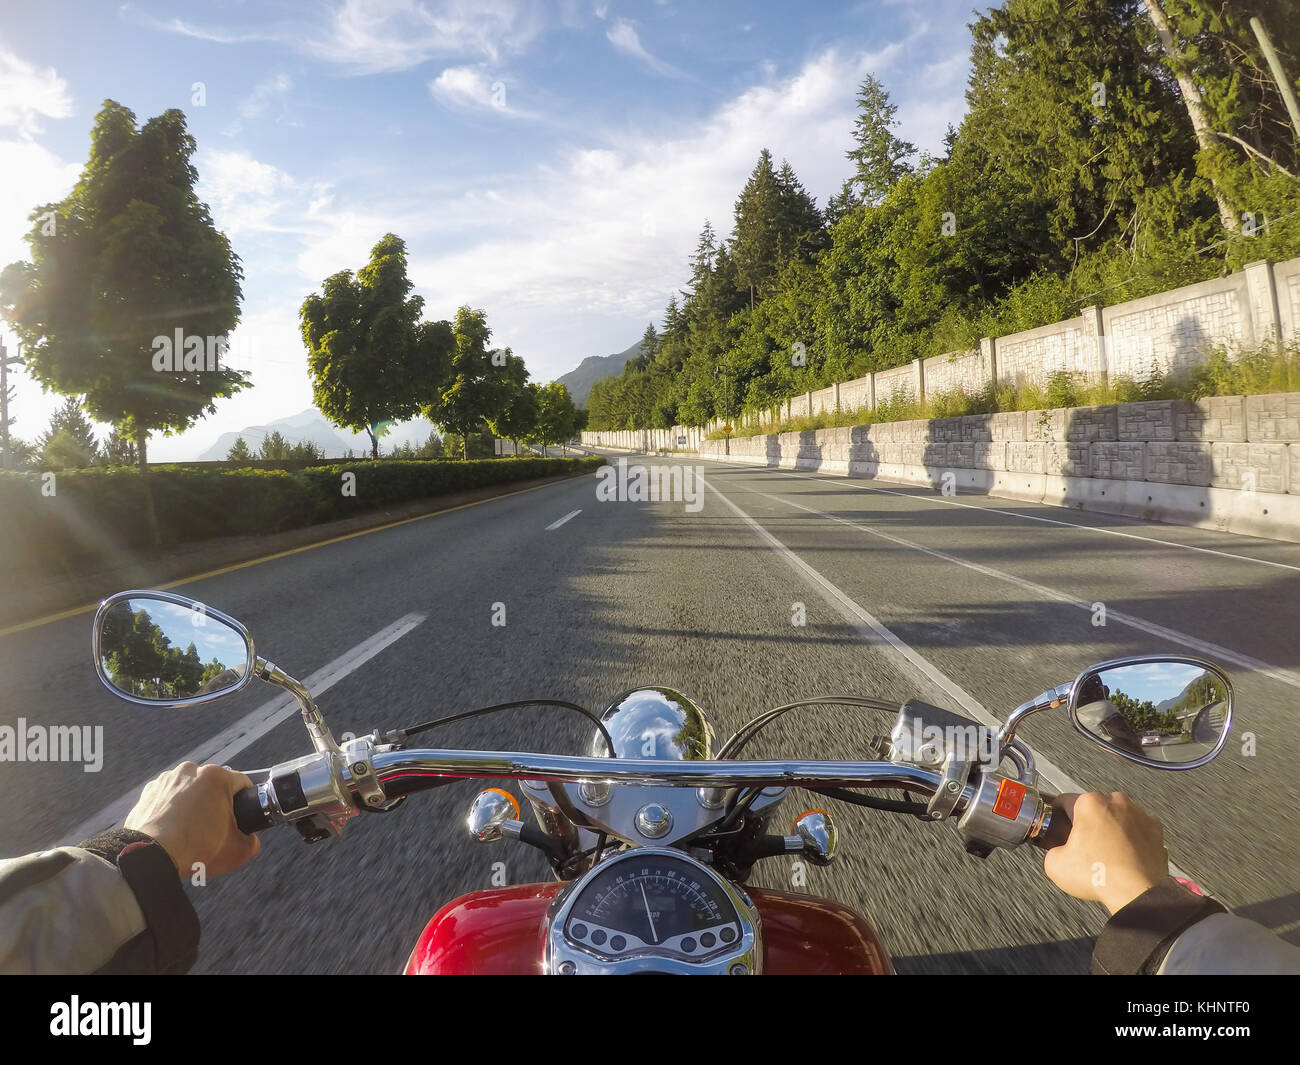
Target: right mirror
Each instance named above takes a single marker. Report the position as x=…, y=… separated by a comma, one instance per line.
x=1170, y=713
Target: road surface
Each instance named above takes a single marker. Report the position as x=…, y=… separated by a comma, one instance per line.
x=902, y=593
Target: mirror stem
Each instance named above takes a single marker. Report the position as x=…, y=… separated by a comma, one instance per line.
x=1058, y=696
x=321, y=737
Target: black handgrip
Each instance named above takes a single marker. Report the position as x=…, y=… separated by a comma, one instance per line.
x=1057, y=830
x=248, y=812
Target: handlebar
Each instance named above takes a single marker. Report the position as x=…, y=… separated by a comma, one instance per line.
x=401, y=772
x=249, y=815
x=1057, y=830
x=404, y=772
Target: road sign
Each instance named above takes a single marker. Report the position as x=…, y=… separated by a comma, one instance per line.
x=727, y=428
x=681, y=440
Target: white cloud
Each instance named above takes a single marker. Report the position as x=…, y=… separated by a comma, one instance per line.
x=30, y=174
x=591, y=246
x=188, y=29
x=470, y=88
x=376, y=35
x=244, y=194
x=623, y=36
x=272, y=91
x=27, y=95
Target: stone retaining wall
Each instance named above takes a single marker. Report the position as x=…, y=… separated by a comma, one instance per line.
x=1230, y=463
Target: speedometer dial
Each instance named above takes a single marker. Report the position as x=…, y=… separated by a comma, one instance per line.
x=656, y=901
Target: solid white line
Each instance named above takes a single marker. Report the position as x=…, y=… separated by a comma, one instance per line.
x=926, y=498
x=557, y=524
x=874, y=632
x=1215, y=650
x=222, y=747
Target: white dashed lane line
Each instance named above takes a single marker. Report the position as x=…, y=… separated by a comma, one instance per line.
x=557, y=524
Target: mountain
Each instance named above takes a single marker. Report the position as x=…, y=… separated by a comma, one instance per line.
x=333, y=442
x=309, y=425
x=592, y=369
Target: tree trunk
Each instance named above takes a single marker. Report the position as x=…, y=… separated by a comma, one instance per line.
x=1194, y=101
x=374, y=443
x=150, y=511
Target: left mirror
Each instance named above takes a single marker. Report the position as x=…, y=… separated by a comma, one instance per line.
x=152, y=647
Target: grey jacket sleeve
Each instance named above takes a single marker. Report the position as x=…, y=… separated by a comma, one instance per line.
x=114, y=904
x=1170, y=930
x=1230, y=946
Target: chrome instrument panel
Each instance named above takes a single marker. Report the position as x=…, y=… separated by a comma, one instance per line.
x=653, y=910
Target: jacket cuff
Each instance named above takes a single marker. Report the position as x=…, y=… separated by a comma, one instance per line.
x=170, y=943
x=1137, y=937
x=108, y=845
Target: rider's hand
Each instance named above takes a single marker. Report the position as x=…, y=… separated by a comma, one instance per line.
x=1115, y=851
x=190, y=811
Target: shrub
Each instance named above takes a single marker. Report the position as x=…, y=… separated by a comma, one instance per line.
x=99, y=513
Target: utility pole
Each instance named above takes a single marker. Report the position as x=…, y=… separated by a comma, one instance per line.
x=6, y=394
x=1279, y=75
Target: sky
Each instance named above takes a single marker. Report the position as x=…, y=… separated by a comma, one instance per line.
x=551, y=163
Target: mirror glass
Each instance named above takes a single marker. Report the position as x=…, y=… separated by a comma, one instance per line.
x=1159, y=712
x=166, y=652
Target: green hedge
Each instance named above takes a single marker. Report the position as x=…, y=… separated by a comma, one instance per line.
x=98, y=513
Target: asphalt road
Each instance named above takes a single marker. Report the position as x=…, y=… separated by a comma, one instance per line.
x=999, y=599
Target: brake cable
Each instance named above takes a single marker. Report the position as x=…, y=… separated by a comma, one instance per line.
x=604, y=732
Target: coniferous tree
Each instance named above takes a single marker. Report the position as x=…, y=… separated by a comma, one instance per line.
x=71, y=421
x=879, y=156
x=756, y=239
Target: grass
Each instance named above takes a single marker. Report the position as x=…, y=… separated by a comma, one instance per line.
x=1226, y=372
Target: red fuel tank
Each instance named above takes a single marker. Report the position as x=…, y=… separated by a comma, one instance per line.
x=501, y=931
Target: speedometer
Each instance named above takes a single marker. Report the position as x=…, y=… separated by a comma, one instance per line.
x=654, y=904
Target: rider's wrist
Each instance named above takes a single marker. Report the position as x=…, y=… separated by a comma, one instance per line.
x=1126, y=890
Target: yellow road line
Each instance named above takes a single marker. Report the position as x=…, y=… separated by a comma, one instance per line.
x=72, y=613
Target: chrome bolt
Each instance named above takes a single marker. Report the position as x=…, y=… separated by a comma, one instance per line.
x=358, y=769
x=653, y=820
x=567, y=968
x=739, y=970
x=595, y=792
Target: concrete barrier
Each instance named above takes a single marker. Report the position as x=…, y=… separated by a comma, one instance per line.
x=1230, y=463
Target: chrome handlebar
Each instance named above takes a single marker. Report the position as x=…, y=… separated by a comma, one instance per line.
x=397, y=765
x=320, y=792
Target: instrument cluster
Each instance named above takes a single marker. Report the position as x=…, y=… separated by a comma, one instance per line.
x=653, y=911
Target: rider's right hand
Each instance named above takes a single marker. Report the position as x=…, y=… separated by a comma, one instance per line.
x=189, y=810
x=1115, y=851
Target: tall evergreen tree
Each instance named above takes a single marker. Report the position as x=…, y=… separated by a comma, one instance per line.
x=71, y=420
x=119, y=450
x=706, y=250
x=879, y=156
x=756, y=239
x=800, y=232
